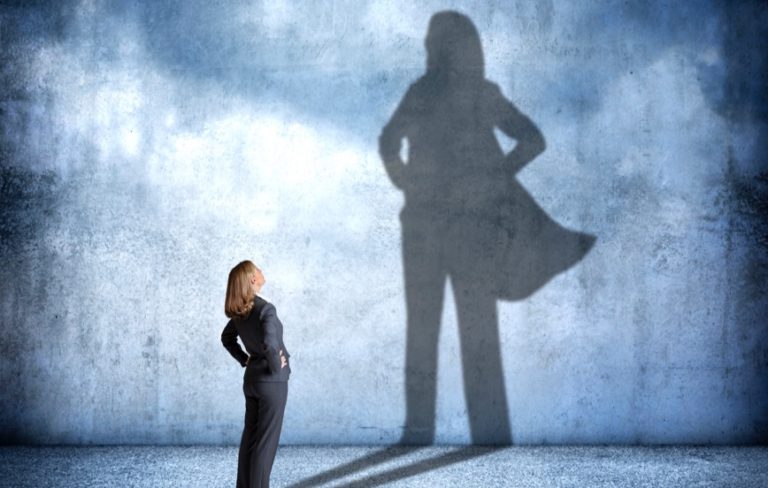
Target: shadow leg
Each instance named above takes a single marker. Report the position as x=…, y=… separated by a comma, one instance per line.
x=484, y=387
x=424, y=289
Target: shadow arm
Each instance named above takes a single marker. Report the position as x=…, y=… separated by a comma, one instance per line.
x=515, y=124
x=391, y=140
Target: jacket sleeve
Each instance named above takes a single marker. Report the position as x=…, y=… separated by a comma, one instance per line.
x=271, y=345
x=229, y=339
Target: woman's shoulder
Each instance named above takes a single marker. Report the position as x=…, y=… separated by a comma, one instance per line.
x=257, y=306
x=260, y=302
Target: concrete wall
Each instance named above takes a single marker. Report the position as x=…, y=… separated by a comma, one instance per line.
x=148, y=148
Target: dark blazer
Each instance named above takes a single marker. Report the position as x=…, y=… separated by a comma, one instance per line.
x=262, y=334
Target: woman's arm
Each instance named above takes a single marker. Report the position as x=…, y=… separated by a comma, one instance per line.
x=515, y=124
x=271, y=344
x=229, y=339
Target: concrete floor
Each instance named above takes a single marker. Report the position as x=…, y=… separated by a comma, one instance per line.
x=354, y=466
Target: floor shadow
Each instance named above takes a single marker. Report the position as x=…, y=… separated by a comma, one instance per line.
x=468, y=218
x=360, y=464
x=420, y=467
x=387, y=454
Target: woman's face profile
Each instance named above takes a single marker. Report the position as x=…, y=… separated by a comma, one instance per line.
x=257, y=280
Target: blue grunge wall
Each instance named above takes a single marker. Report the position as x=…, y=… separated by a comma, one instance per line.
x=147, y=147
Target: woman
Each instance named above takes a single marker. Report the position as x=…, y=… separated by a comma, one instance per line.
x=265, y=382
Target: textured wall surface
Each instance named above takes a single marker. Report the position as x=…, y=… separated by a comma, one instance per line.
x=147, y=147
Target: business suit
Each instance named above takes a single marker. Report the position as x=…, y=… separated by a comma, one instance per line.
x=265, y=386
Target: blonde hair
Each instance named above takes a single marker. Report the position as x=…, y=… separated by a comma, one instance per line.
x=239, y=300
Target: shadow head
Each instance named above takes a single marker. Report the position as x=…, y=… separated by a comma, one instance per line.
x=453, y=46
